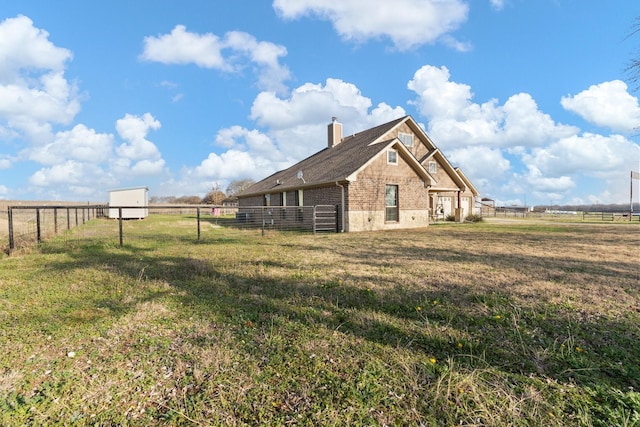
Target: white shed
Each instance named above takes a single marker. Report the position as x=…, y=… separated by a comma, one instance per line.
x=128, y=199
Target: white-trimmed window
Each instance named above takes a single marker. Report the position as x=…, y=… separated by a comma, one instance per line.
x=433, y=167
x=391, y=203
x=392, y=157
x=406, y=139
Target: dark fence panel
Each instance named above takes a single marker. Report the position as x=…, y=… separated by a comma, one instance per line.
x=29, y=225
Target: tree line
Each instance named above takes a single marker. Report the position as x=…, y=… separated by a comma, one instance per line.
x=214, y=197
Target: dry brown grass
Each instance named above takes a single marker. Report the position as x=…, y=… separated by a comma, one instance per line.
x=485, y=324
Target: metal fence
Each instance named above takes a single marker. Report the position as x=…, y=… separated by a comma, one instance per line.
x=29, y=225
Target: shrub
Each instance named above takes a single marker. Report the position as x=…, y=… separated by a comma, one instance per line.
x=450, y=218
x=473, y=218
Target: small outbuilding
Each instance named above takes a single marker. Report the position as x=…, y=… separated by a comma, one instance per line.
x=133, y=201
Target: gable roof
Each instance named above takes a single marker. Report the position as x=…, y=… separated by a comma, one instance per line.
x=343, y=161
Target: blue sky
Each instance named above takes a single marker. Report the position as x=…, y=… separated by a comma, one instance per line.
x=529, y=97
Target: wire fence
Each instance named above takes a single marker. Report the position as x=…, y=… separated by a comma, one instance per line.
x=31, y=225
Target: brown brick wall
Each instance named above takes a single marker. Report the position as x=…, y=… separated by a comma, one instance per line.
x=368, y=191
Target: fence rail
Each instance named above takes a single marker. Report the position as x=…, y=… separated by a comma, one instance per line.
x=32, y=224
x=29, y=225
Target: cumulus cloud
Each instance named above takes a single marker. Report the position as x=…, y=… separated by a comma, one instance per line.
x=33, y=90
x=134, y=130
x=408, y=23
x=588, y=154
x=229, y=54
x=456, y=121
x=293, y=128
x=71, y=172
x=487, y=165
x=607, y=104
x=523, y=148
x=497, y=4
x=80, y=143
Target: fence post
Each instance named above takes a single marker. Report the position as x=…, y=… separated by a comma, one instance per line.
x=55, y=221
x=198, y=215
x=68, y=220
x=120, y=224
x=10, y=219
x=76, y=209
x=314, y=218
x=337, y=219
x=262, y=217
x=38, y=225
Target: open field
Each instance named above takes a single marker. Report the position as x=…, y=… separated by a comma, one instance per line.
x=488, y=324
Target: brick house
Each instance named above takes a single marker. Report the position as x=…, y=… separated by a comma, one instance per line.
x=387, y=177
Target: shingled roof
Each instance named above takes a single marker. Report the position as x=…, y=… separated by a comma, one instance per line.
x=329, y=165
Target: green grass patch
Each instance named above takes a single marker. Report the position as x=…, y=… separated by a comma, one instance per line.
x=459, y=324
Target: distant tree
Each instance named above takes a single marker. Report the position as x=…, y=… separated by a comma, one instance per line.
x=162, y=199
x=239, y=185
x=188, y=200
x=214, y=197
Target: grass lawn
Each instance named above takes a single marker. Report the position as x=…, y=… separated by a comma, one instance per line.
x=456, y=324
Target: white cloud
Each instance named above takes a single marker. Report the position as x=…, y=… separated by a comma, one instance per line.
x=548, y=184
x=33, y=91
x=68, y=173
x=607, y=104
x=497, y=4
x=487, y=165
x=80, y=143
x=588, y=154
x=408, y=23
x=208, y=51
x=456, y=121
x=134, y=130
x=295, y=127
x=22, y=46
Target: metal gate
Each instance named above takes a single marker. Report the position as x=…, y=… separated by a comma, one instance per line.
x=325, y=218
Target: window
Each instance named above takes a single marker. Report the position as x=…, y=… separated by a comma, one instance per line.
x=267, y=199
x=392, y=157
x=406, y=139
x=391, y=203
x=433, y=167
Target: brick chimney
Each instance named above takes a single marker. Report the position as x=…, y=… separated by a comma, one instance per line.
x=334, y=132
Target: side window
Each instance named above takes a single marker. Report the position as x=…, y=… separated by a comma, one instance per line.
x=433, y=167
x=406, y=139
x=392, y=157
x=267, y=200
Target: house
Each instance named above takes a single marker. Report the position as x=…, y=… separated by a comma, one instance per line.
x=387, y=177
x=129, y=199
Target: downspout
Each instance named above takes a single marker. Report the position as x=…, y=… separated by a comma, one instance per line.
x=341, y=206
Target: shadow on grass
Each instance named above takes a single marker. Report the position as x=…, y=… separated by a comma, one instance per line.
x=536, y=338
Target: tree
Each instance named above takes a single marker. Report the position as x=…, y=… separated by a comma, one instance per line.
x=214, y=197
x=633, y=69
x=239, y=185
